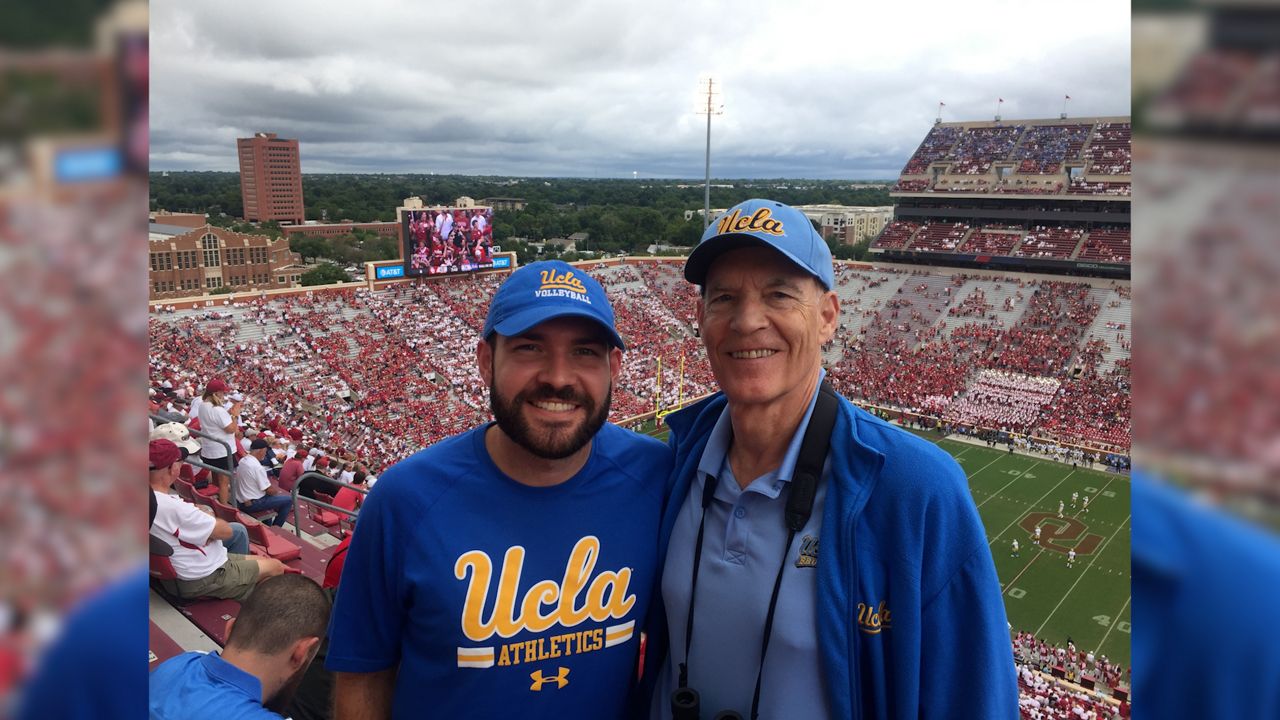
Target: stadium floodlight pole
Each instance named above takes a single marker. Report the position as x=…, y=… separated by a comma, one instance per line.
x=938, y=120
x=999, y=102
x=709, y=109
x=1065, y=99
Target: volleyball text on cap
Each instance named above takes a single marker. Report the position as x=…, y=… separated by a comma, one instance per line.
x=544, y=291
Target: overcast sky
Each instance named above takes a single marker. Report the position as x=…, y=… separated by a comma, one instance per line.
x=812, y=88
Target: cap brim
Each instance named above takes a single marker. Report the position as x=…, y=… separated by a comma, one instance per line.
x=191, y=446
x=521, y=320
x=699, y=262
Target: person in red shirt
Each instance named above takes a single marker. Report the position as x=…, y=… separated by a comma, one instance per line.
x=291, y=470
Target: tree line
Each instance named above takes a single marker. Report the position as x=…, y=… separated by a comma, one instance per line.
x=619, y=216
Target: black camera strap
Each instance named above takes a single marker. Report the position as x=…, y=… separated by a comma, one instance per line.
x=801, y=493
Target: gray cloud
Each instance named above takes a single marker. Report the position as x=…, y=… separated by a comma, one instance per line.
x=815, y=88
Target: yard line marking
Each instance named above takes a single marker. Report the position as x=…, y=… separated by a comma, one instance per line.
x=1082, y=574
x=1014, y=480
x=984, y=467
x=1113, y=625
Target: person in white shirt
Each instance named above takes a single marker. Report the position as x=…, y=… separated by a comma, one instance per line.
x=247, y=437
x=254, y=491
x=202, y=563
x=220, y=425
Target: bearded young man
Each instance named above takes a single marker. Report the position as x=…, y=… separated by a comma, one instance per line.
x=506, y=568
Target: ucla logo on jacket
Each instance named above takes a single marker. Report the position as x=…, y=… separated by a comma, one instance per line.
x=873, y=620
x=582, y=595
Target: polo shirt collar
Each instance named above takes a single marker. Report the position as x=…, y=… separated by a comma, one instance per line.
x=717, y=449
x=220, y=669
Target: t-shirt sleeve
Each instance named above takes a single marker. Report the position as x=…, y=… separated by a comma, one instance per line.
x=372, y=602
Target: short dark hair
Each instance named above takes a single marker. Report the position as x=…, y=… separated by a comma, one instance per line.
x=281, y=611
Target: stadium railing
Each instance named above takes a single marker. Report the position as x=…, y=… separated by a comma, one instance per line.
x=351, y=514
x=192, y=459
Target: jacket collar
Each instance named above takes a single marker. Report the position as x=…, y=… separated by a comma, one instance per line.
x=857, y=462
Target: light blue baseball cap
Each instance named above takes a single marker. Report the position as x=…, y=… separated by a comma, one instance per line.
x=765, y=223
x=545, y=290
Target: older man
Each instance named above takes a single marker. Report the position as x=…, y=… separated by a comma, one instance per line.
x=820, y=563
x=254, y=491
x=203, y=564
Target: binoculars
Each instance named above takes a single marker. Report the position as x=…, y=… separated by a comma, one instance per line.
x=686, y=705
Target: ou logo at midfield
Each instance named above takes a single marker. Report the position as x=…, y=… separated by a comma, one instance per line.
x=1055, y=528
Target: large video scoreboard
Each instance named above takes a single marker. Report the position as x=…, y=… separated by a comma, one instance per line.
x=439, y=241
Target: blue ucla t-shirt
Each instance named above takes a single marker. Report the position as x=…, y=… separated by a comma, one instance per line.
x=495, y=597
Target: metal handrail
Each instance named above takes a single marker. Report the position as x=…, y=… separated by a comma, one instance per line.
x=297, y=529
x=197, y=463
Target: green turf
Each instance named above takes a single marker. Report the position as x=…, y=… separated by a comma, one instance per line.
x=1089, y=602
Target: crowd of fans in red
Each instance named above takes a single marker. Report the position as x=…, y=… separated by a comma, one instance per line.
x=1016, y=379
x=380, y=375
x=1043, y=697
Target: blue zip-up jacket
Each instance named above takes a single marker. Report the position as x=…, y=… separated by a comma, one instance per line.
x=912, y=624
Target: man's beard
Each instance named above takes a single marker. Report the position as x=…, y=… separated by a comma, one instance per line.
x=554, y=444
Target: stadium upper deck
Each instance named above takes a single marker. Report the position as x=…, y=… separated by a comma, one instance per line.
x=1042, y=195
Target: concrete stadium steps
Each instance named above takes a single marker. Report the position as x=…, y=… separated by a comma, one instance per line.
x=1121, y=314
x=858, y=304
x=619, y=278
x=920, y=289
x=996, y=292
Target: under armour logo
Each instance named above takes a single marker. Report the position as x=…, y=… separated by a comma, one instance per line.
x=561, y=678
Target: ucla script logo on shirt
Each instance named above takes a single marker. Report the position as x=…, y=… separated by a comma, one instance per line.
x=808, y=557
x=579, y=596
x=564, y=284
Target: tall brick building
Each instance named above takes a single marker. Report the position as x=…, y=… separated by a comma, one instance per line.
x=270, y=179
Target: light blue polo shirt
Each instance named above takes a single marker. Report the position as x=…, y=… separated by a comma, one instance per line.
x=741, y=551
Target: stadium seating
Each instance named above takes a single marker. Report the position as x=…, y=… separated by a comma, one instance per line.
x=935, y=146
x=896, y=234
x=1033, y=158
x=939, y=237
x=1108, y=245
x=988, y=242
x=1057, y=242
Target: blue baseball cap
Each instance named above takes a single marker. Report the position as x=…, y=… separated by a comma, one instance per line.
x=766, y=223
x=545, y=290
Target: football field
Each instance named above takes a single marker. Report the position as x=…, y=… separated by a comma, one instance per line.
x=1088, y=602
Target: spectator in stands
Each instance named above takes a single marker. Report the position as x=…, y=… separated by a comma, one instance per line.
x=247, y=436
x=291, y=470
x=203, y=564
x=551, y=493
x=220, y=425
x=254, y=491
x=766, y=310
x=270, y=645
